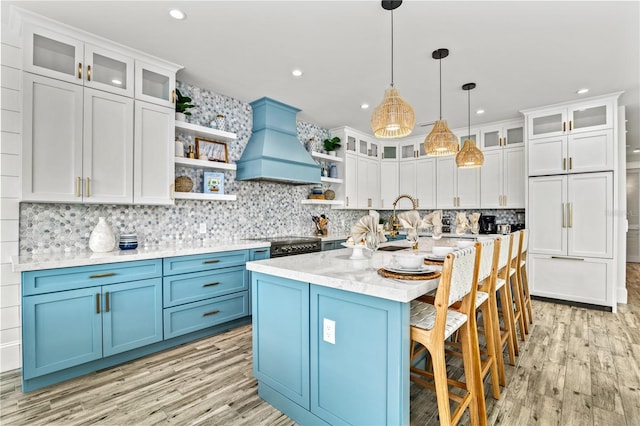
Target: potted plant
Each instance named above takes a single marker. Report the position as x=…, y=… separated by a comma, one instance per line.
x=331, y=145
x=182, y=105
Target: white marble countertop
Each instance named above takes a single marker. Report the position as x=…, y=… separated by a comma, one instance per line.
x=87, y=257
x=334, y=269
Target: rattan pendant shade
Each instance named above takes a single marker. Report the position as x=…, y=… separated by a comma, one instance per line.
x=441, y=141
x=394, y=117
x=469, y=156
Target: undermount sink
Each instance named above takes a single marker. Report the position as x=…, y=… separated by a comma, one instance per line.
x=392, y=248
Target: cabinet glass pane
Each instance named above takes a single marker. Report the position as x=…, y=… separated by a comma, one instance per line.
x=589, y=117
x=373, y=151
x=422, y=151
x=465, y=137
x=515, y=135
x=54, y=55
x=154, y=84
x=407, y=151
x=351, y=144
x=363, y=147
x=547, y=124
x=109, y=71
x=491, y=139
x=389, y=152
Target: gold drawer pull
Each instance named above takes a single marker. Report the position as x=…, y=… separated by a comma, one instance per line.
x=206, y=314
x=206, y=262
x=78, y=187
x=566, y=258
x=79, y=69
x=261, y=251
x=107, y=301
x=108, y=274
x=97, y=303
x=211, y=284
x=88, y=72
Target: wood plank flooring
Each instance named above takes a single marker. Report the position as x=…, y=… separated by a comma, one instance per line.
x=577, y=367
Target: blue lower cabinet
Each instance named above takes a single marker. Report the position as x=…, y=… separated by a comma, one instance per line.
x=361, y=377
x=281, y=336
x=196, y=316
x=60, y=330
x=132, y=315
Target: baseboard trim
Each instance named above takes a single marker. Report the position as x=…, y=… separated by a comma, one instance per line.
x=10, y=356
x=572, y=303
x=621, y=293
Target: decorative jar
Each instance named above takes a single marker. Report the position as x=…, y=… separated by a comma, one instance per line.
x=221, y=122
x=102, y=238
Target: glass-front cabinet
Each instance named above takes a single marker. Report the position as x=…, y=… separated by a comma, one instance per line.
x=66, y=58
x=155, y=84
x=499, y=135
x=576, y=118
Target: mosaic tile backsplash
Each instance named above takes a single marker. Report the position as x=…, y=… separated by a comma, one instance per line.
x=262, y=208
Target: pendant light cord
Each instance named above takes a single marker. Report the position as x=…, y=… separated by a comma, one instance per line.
x=440, y=62
x=392, y=48
x=469, y=113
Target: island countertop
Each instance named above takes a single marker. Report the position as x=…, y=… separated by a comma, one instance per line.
x=336, y=270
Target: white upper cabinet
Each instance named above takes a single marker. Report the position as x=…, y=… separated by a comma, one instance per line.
x=456, y=188
x=155, y=84
x=502, y=179
x=60, y=55
x=501, y=135
x=389, y=180
x=153, y=156
x=595, y=114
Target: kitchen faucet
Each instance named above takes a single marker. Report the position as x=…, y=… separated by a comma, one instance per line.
x=394, y=224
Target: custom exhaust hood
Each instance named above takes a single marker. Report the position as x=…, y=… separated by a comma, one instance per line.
x=274, y=152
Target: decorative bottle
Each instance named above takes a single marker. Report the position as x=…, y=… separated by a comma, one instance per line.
x=221, y=122
x=102, y=239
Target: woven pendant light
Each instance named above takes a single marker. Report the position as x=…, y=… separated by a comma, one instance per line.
x=440, y=141
x=394, y=117
x=469, y=156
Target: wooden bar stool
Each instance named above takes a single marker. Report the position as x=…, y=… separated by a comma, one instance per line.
x=519, y=316
x=431, y=325
x=524, y=281
x=507, y=334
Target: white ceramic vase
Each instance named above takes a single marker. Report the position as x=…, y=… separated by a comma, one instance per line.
x=102, y=239
x=180, y=116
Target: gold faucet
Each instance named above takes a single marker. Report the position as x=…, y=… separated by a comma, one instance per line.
x=394, y=223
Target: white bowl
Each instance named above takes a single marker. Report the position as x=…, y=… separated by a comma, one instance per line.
x=442, y=250
x=465, y=243
x=408, y=260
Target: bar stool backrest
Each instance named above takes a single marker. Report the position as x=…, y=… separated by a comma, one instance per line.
x=462, y=273
x=505, y=251
x=486, y=259
x=524, y=236
x=515, y=246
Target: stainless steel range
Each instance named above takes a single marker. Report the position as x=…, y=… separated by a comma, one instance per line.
x=288, y=246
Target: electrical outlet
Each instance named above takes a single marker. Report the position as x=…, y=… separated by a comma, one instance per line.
x=203, y=228
x=329, y=331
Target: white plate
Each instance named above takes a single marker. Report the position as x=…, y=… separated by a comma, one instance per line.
x=424, y=269
x=432, y=256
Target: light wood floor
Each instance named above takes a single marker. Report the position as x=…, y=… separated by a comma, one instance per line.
x=578, y=367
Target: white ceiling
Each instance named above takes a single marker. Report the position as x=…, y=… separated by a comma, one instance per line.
x=520, y=54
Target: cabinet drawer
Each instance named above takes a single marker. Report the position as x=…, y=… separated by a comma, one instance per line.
x=50, y=280
x=186, y=288
x=195, y=316
x=204, y=262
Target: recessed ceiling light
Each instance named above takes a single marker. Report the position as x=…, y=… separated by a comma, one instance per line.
x=636, y=151
x=177, y=14
x=296, y=73
x=582, y=91
x=480, y=111
x=364, y=106
x=116, y=82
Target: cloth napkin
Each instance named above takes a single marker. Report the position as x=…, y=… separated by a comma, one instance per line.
x=462, y=224
x=434, y=220
x=474, y=218
x=367, y=225
x=410, y=219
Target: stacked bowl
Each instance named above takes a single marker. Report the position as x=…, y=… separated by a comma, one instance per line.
x=128, y=241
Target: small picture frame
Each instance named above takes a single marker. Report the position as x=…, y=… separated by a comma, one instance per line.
x=213, y=183
x=214, y=150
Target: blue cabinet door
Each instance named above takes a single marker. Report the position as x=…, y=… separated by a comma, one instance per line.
x=60, y=330
x=132, y=315
x=281, y=336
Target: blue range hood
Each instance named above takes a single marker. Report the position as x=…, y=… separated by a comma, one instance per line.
x=274, y=152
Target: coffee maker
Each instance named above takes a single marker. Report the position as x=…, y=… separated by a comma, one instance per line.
x=488, y=225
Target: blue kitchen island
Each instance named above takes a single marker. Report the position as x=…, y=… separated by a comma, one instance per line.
x=331, y=338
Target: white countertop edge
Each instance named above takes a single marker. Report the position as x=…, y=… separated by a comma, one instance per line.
x=364, y=281
x=70, y=259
